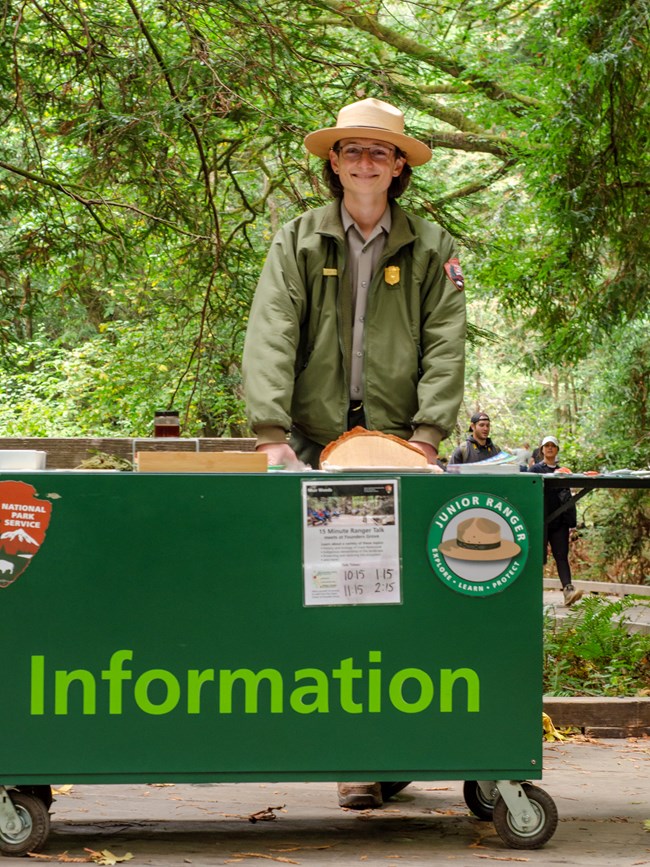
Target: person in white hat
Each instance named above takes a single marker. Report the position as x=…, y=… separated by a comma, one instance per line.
x=558, y=531
x=359, y=314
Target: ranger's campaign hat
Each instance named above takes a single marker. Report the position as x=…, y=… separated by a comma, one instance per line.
x=479, y=539
x=369, y=118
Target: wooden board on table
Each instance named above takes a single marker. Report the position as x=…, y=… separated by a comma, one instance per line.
x=202, y=462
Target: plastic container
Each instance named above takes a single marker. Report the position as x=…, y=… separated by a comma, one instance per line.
x=22, y=459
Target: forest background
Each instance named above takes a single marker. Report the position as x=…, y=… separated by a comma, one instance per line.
x=149, y=149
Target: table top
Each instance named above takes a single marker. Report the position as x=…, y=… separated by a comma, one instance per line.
x=606, y=480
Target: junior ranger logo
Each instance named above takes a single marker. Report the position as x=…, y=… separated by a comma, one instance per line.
x=477, y=544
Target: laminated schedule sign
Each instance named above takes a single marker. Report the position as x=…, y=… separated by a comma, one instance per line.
x=351, y=543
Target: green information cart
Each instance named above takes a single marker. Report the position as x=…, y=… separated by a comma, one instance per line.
x=239, y=627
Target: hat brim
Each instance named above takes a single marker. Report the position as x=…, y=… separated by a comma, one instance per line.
x=506, y=551
x=319, y=142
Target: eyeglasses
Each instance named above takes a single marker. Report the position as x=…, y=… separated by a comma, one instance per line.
x=377, y=153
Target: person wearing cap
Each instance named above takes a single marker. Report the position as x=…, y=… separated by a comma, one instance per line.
x=478, y=446
x=558, y=530
x=359, y=314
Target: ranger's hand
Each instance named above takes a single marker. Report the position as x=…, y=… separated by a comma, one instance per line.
x=281, y=455
x=427, y=450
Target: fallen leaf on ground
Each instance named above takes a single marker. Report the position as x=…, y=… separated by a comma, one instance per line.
x=266, y=815
x=62, y=790
x=482, y=834
x=267, y=857
x=106, y=857
x=549, y=730
x=301, y=848
x=498, y=858
x=63, y=858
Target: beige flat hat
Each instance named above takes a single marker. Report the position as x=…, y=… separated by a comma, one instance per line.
x=479, y=539
x=369, y=118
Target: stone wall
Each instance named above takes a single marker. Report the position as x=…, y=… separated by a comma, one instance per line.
x=68, y=453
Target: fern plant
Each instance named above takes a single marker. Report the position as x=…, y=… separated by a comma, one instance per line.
x=591, y=652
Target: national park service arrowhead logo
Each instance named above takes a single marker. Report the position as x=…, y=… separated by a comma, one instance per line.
x=23, y=523
x=455, y=274
x=478, y=544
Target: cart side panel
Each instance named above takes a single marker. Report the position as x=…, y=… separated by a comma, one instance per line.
x=160, y=632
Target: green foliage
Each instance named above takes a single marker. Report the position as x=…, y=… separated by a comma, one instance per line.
x=614, y=536
x=150, y=150
x=591, y=243
x=112, y=384
x=619, y=406
x=590, y=652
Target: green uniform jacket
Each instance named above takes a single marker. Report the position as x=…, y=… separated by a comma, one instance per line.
x=296, y=363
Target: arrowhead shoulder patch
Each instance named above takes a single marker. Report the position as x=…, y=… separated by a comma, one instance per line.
x=455, y=274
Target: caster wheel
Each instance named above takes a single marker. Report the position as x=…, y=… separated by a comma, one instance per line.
x=538, y=831
x=42, y=792
x=33, y=825
x=482, y=807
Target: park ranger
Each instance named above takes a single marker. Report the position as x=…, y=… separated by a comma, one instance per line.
x=359, y=314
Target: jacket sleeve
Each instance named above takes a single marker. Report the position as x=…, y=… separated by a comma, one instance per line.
x=273, y=336
x=456, y=456
x=442, y=344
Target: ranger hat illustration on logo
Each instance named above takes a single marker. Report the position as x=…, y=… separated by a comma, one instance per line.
x=23, y=523
x=479, y=539
x=477, y=544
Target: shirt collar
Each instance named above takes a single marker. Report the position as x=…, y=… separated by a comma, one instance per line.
x=385, y=221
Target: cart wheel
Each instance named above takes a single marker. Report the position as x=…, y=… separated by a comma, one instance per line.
x=541, y=828
x=34, y=825
x=42, y=792
x=482, y=807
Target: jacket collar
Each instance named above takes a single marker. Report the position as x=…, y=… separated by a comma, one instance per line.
x=486, y=445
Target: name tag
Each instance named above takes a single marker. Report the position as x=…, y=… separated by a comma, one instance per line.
x=330, y=272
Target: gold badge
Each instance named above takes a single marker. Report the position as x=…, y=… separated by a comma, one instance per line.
x=330, y=272
x=391, y=274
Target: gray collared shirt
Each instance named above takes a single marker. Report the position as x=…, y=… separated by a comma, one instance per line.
x=363, y=257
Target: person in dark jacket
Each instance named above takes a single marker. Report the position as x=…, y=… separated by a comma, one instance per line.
x=478, y=446
x=558, y=530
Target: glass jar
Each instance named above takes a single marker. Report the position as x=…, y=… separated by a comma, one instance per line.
x=166, y=424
